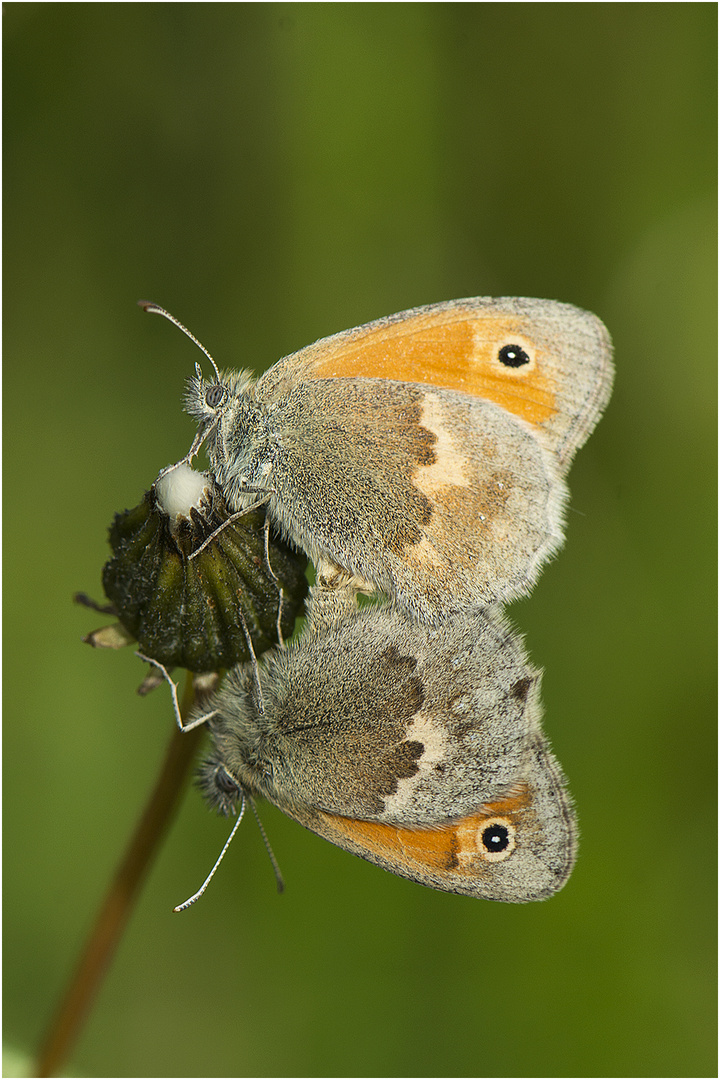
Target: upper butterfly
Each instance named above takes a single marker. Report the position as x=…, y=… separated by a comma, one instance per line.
x=424, y=454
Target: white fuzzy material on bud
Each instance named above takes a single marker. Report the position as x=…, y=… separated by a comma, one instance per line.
x=179, y=489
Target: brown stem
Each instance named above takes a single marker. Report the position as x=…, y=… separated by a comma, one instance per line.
x=105, y=935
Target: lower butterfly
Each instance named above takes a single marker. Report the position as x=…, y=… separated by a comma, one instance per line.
x=417, y=747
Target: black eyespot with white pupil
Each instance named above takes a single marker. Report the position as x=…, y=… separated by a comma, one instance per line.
x=495, y=838
x=215, y=395
x=513, y=356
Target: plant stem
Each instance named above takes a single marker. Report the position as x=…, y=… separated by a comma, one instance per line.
x=119, y=902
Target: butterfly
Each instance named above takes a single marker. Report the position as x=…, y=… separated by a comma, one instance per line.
x=418, y=747
x=423, y=455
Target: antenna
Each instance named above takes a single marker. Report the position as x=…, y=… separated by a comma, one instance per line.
x=208, y=879
x=155, y=309
x=278, y=876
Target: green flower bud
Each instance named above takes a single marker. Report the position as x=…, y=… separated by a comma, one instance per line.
x=185, y=574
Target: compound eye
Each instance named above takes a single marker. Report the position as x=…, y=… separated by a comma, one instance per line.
x=215, y=395
x=225, y=782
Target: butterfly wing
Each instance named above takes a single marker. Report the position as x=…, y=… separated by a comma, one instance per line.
x=516, y=849
x=441, y=500
x=418, y=748
x=425, y=452
x=547, y=363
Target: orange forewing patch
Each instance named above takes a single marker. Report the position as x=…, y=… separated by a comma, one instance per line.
x=448, y=349
x=444, y=848
x=517, y=800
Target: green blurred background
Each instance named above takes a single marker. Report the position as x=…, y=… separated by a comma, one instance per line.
x=273, y=173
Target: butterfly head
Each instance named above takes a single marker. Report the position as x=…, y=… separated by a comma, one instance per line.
x=215, y=404
x=220, y=789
